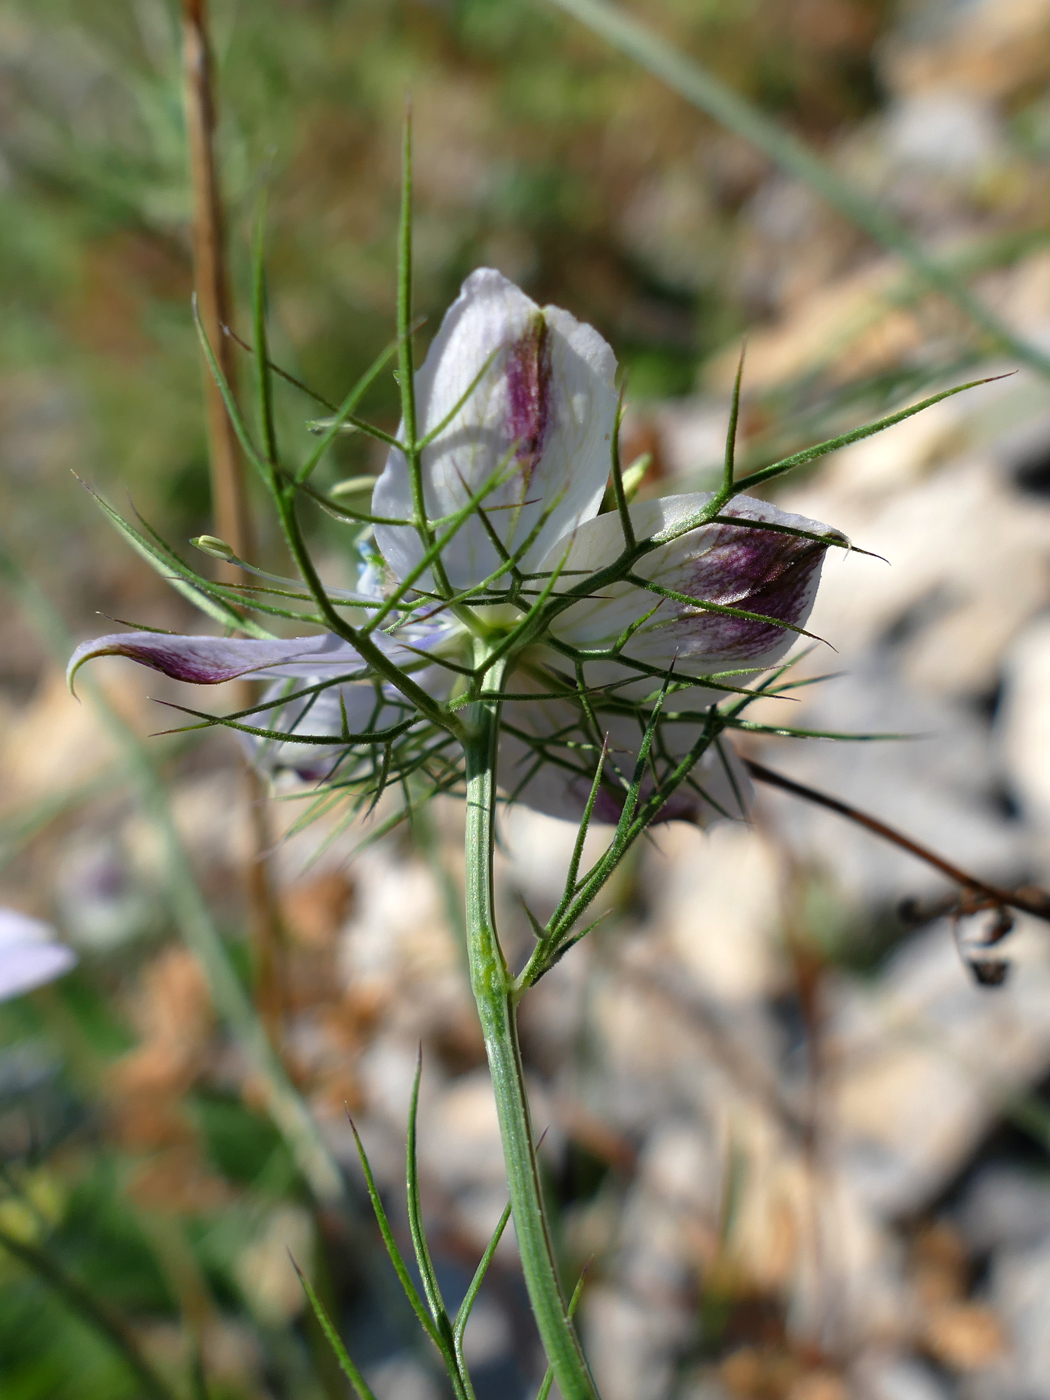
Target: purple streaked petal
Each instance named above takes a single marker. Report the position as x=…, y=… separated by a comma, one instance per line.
x=210, y=660
x=744, y=566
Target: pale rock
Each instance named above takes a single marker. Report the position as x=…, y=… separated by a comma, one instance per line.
x=881, y=466
x=630, y=1343
x=1020, y=1293
x=1023, y=722
x=670, y=1222
x=264, y=1270
x=990, y=48
x=387, y=1072
x=925, y=1061
x=104, y=901
x=943, y=131
x=662, y=224
x=212, y=820
x=398, y=944
x=692, y=435
x=395, y=899
x=488, y=1335
x=403, y=1378
x=1005, y=1207
x=478, y=1212
x=784, y=210
x=55, y=741
x=459, y=1137
x=963, y=544
x=719, y=902
x=537, y=851
x=938, y=783
x=897, y=1378
x=844, y=329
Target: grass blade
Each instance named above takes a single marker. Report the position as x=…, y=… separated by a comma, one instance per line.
x=470, y=1297
x=712, y=96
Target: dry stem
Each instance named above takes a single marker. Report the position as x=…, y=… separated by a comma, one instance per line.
x=230, y=504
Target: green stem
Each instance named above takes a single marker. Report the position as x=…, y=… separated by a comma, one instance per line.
x=492, y=986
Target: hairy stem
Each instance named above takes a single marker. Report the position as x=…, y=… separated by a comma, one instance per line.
x=492, y=986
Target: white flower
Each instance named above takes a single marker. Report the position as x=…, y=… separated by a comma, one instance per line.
x=30, y=954
x=522, y=408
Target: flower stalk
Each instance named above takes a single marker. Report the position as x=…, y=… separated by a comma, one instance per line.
x=493, y=990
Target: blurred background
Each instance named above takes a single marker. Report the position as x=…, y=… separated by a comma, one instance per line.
x=801, y=1152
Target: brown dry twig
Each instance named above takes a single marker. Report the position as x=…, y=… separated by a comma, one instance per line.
x=976, y=895
x=229, y=498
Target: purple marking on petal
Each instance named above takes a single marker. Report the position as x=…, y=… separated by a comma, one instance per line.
x=210, y=660
x=528, y=377
x=761, y=571
x=683, y=805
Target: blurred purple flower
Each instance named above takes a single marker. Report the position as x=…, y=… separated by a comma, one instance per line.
x=30, y=954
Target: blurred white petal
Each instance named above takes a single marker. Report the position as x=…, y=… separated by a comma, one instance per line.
x=30, y=954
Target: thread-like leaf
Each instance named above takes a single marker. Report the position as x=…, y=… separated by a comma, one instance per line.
x=734, y=418
x=548, y=1380
x=346, y=1365
x=396, y=1258
x=470, y=1297
x=178, y=573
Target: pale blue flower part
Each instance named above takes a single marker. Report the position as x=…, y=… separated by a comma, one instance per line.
x=521, y=404
x=30, y=954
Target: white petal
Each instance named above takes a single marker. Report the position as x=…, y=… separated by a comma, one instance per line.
x=560, y=784
x=16, y=927
x=546, y=405
x=323, y=716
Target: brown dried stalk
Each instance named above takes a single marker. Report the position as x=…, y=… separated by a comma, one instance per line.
x=976, y=896
x=229, y=499
x=1028, y=899
x=211, y=283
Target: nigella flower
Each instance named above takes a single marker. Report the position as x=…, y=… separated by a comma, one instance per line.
x=30, y=954
x=517, y=409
